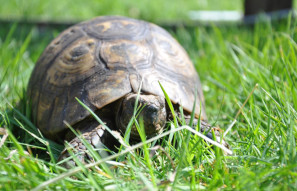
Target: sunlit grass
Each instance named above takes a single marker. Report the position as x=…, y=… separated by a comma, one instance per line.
x=230, y=61
x=152, y=10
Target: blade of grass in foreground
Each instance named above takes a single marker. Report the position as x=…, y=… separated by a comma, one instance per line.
x=141, y=130
x=170, y=105
x=78, y=169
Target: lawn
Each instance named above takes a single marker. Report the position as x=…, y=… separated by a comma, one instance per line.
x=231, y=61
x=152, y=10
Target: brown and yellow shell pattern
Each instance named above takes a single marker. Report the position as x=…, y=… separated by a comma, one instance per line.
x=102, y=60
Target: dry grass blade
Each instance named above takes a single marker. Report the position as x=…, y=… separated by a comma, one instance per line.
x=228, y=151
x=2, y=131
x=5, y=135
x=239, y=111
x=15, y=152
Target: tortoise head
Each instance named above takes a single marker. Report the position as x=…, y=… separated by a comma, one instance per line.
x=152, y=110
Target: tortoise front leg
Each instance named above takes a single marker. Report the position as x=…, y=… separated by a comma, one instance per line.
x=99, y=138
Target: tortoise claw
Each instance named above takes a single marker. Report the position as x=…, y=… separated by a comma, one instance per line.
x=95, y=138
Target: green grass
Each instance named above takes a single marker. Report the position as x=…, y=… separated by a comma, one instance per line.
x=152, y=10
x=231, y=61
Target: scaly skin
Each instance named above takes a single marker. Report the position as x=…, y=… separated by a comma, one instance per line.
x=95, y=137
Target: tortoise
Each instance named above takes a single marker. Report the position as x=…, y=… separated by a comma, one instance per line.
x=104, y=62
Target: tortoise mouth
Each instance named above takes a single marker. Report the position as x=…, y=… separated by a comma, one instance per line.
x=151, y=109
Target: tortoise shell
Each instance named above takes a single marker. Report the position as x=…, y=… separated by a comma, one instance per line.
x=103, y=59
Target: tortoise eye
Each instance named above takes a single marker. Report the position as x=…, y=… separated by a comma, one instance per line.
x=151, y=108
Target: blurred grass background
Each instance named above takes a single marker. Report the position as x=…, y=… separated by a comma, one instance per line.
x=151, y=10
